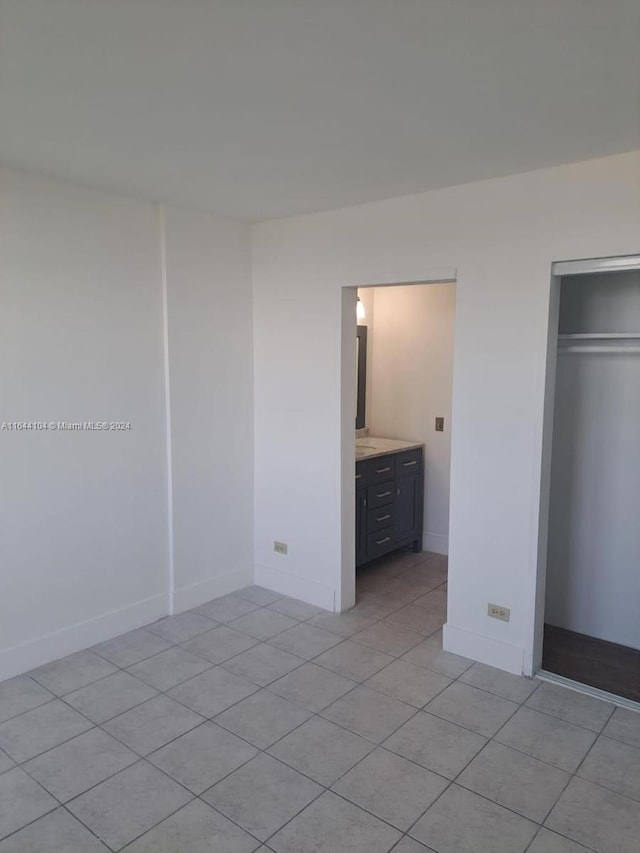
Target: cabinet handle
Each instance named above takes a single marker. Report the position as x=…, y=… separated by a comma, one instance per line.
x=382, y=541
x=383, y=495
x=358, y=476
x=407, y=464
x=382, y=470
x=383, y=517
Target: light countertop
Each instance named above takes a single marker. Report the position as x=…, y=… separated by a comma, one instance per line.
x=368, y=447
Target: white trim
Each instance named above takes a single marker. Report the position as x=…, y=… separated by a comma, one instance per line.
x=484, y=649
x=587, y=690
x=596, y=265
x=200, y=592
x=542, y=481
x=437, y=275
x=345, y=585
x=436, y=542
x=294, y=586
x=83, y=635
x=162, y=221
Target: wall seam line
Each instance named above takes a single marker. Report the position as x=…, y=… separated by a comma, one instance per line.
x=162, y=219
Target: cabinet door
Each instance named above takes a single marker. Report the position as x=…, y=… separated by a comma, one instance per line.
x=361, y=526
x=408, y=509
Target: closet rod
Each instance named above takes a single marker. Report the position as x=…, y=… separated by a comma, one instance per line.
x=601, y=336
x=592, y=349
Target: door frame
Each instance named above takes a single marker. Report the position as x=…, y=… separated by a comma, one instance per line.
x=559, y=270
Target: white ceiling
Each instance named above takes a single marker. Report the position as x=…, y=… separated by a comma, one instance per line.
x=264, y=108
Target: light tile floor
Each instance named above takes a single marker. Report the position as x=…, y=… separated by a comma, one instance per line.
x=258, y=722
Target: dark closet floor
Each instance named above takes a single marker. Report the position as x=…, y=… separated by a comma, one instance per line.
x=588, y=660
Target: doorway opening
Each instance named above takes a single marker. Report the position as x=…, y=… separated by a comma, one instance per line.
x=588, y=630
x=402, y=445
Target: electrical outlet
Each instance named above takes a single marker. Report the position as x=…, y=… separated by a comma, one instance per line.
x=280, y=547
x=498, y=612
x=439, y=424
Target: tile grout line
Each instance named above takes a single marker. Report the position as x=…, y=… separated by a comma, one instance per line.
x=62, y=698
x=325, y=788
x=534, y=758
x=374, y=744
x=145, y=758
x=490, y=740
x=380, y=745
x=540, y=824
x=318, y=714
x=315, y=713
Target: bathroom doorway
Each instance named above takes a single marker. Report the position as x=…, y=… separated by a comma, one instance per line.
x=402, y=525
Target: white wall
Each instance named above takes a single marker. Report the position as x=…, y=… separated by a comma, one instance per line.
x=85, y=528
x=593, y=577
x=411, y=383
x=84, y=522
x=211, y=386
x=501, y=236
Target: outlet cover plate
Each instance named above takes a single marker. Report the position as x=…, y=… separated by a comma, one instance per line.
x=496, y=611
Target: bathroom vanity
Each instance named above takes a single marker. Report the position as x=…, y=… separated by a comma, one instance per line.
x=389, y=496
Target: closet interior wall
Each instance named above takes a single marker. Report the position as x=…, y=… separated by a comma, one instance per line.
x=593, y=564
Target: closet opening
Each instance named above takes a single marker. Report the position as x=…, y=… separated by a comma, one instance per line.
x=591, y=599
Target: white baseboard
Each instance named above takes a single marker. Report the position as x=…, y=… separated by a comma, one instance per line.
x=296, y=587
x=438, y=543
x=483, y=649
x=83, y=635
x=42, y=650
x=198, y=593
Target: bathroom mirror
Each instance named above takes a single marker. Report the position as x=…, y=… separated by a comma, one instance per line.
x=361, y=377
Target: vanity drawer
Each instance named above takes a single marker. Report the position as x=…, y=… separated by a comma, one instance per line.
x=375, y=470
x=380, y=543
x=379, y=518
x=382, y=468
x=409, y=462
x=381, y=494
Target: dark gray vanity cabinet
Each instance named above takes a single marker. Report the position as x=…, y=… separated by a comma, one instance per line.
x=389, y=503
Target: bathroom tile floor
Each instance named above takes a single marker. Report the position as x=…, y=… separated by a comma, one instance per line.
x=257, y=722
